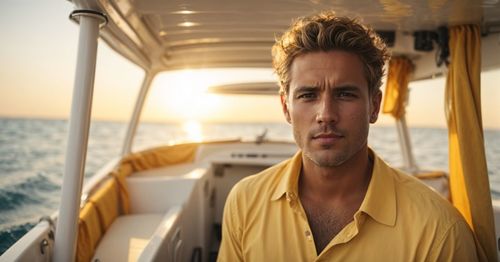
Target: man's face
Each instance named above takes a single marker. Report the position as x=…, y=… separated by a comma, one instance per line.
x=329, y=106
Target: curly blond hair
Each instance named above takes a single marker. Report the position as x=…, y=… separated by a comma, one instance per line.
x=326, y=32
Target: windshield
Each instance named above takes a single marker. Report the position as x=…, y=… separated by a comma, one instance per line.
x=180, y=107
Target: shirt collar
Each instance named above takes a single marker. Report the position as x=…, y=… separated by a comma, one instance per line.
x=380, y=199
x=289, y=182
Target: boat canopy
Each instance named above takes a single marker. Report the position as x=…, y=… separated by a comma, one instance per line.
x=170, y=35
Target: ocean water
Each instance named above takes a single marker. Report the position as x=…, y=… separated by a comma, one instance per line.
x=32, y=158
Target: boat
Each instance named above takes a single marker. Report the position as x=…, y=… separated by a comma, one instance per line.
x=165, y=203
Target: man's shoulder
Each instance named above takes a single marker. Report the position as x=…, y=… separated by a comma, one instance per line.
x=432, y=219
x=415, y=196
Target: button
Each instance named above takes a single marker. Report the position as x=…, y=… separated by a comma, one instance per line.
x=308, y=234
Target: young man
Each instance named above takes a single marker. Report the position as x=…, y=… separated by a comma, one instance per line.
x=336, y=200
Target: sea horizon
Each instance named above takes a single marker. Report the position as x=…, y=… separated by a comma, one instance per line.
x=124, y=121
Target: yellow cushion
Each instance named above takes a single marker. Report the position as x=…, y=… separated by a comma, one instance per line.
x=89, y=233
x=120, y=175
x=106, y=201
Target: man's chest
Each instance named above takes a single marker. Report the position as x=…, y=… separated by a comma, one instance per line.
x=326, y=222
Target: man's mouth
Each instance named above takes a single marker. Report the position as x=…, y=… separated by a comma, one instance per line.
x=327, y=137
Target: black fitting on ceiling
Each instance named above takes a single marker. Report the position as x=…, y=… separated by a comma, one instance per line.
x=389, y=37
x=443, y=46
x=424, y=41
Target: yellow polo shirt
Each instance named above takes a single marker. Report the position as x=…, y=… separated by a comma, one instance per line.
x=400, y=219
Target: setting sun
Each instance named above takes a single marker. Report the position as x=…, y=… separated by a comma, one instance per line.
x=182, y=96
x=185, y=94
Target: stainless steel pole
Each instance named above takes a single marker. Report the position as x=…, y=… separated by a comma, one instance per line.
x=405, y=143
x=67, y=222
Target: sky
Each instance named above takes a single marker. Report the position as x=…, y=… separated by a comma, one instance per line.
x=38, y=61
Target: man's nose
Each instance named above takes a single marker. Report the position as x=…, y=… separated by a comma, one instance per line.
x=327, y=111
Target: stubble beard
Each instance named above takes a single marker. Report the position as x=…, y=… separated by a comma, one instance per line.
x=326, y=161
x=331, y=159
x=327, y=157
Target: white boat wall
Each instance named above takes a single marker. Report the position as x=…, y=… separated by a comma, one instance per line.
x=165, y=203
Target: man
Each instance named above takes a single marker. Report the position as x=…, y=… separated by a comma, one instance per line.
x=336, y=200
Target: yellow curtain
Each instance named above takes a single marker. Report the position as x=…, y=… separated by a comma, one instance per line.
x=469, y=186
x=396, y=90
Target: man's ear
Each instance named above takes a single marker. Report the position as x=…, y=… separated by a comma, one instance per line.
x=284, y=106
x=376, y=100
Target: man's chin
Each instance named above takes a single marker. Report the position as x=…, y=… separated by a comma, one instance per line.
x=326, y=159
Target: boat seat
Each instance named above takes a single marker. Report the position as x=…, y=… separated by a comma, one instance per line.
x=173, y=185
x=106, y=232
x=127, y=237
x=138, y=237
x=167, y=234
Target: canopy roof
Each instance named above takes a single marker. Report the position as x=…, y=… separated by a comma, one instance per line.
x=180, y=34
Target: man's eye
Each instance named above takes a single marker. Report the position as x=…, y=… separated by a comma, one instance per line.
x=346, y=95
x=307, y=95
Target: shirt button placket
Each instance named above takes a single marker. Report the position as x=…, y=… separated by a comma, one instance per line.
x=308, y=235
x=311, y=254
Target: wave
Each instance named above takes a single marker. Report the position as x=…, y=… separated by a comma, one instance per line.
x=32, y=158
x=10, y=235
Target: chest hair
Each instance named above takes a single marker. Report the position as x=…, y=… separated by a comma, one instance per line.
x=327, y=222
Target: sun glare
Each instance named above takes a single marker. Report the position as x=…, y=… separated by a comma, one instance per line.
x=180, y=96
x=193, y=130
x=184, y=94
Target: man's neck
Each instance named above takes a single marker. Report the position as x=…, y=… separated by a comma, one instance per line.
x=339, y=183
